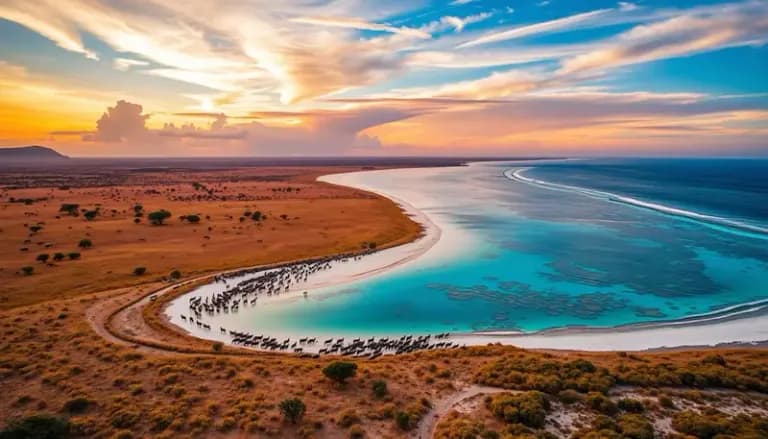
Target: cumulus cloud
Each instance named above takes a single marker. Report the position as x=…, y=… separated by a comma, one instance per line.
x=313, y=133
x=124, y=121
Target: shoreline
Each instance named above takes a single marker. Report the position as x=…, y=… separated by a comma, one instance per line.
x=720, y=327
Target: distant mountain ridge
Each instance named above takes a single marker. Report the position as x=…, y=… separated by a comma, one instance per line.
x=29, y=153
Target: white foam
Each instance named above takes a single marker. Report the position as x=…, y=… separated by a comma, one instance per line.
x=720, y=223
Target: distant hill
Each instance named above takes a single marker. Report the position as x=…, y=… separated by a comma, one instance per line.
x=30, y=154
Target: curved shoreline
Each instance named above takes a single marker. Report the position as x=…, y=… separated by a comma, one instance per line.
x=724, y=326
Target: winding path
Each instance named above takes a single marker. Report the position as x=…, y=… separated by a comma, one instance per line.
x=426, y=428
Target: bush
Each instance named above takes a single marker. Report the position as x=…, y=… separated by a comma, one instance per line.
x=28, y=270
x=139, y=271
x=175, y=274
x=158, y=217
x=528, y=408
x=293, y=409
x=124, y=419
x=405, y=420
x=58, y=256
x=70, y=209
x=73, y=256
x=77, y=405
x=192, y=219
x=633, y=426
x=570, y=396
x=43, y=257
x=380, y=389
x=631, y=405
x=85, y=243
x=217, y=346
x=700, y=425
x=36, y=427
x=601, y=403
x=339, y=371
x=347, y=418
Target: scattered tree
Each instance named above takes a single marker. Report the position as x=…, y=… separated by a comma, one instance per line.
x=70, y=209
x=73, y=256
x=28, y=270
x=175, y=274
x=58, y=256
x=159, y=216
x=339, y=371
x=91, y=214
x=85, y=243
x=35, y=228
x=192, y=219
x=139, y=271
x=256, y=216
x=293, y=409
x=43, y=257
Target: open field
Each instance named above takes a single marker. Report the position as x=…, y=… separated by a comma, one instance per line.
x=73, y=349
x=300, y=218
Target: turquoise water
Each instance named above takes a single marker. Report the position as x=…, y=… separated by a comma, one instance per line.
x=515, y=256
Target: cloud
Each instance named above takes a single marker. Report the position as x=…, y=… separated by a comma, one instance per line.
x=125, y=64
x=679, y=36
x=360, y=24
x=460, y=23
x=124, y=121
x=537, y=28
x=37, y=18
x=123, y=128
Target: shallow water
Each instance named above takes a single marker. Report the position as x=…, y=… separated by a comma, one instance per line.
x=527, y=257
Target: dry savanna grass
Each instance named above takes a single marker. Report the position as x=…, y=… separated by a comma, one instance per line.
x=304, y=218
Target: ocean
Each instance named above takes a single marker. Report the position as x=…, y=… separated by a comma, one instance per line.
x=539, y=245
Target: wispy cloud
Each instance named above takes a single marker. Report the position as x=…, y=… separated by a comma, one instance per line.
x=360, y=24
x=537, y=28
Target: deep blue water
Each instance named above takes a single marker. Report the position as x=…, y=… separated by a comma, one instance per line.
x=519, y=256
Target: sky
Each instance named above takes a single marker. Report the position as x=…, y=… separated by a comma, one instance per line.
x=395, y=77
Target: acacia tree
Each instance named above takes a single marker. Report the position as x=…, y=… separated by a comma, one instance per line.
x=158, y=217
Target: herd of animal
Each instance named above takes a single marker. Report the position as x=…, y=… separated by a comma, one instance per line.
x=280, y=280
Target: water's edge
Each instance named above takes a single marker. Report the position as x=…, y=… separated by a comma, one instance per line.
x=740, y=323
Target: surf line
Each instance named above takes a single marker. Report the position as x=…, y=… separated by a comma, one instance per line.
x=711, y=221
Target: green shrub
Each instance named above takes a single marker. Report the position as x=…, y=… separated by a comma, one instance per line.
x=528, y=408
x=601, y=403
x=631, y=405
x=85, y=243
x=77, y=405
x=380, y=389
x=293, y=409
x=339, y=371
x=634, y=426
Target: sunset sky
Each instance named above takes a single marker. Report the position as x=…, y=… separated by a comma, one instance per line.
x=315, y=77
